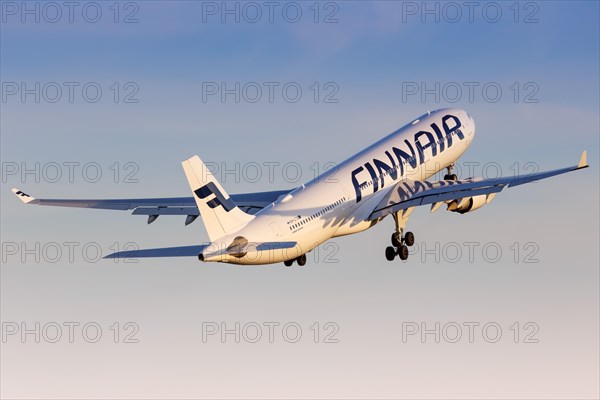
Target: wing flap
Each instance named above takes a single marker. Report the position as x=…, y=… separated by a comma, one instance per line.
x=165, y=211
x=409, y=193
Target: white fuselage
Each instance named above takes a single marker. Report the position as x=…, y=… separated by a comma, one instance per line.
x=340, y=201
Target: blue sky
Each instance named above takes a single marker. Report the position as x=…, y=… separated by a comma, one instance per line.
x=369, y=55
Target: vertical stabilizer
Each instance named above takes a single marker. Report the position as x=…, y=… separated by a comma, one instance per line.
x=219, y=213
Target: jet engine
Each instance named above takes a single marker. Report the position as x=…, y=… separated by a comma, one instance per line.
x=469, y=204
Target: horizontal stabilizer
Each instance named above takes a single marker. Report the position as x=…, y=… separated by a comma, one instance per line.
x=182, y=251
x=209, y=253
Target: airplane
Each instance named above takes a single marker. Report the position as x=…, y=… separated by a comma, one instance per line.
x=387, y=178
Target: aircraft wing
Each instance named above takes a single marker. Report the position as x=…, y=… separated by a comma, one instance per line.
x=153, y=207
x=408, y=193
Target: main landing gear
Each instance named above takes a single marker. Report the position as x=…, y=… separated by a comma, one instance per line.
x=450, y=176
x=400, y=241
x=300, y=260
x=400, y=245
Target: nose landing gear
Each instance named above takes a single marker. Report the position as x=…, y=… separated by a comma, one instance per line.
x=450, y=176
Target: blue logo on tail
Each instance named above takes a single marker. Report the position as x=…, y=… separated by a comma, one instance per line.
x=219, y=200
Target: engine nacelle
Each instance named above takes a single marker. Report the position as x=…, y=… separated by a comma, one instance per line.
x=469, y=204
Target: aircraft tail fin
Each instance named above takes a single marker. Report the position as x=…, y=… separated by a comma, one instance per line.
x=221, y=216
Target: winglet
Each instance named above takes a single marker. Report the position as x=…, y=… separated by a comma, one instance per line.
x=24, y=197
x=583, y=160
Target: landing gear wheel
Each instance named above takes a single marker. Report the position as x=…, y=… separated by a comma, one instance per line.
x=403, y=252
x=396, y=239
x=288, y=263
x=409, y=239
x=301, y=260
x=390, y=253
